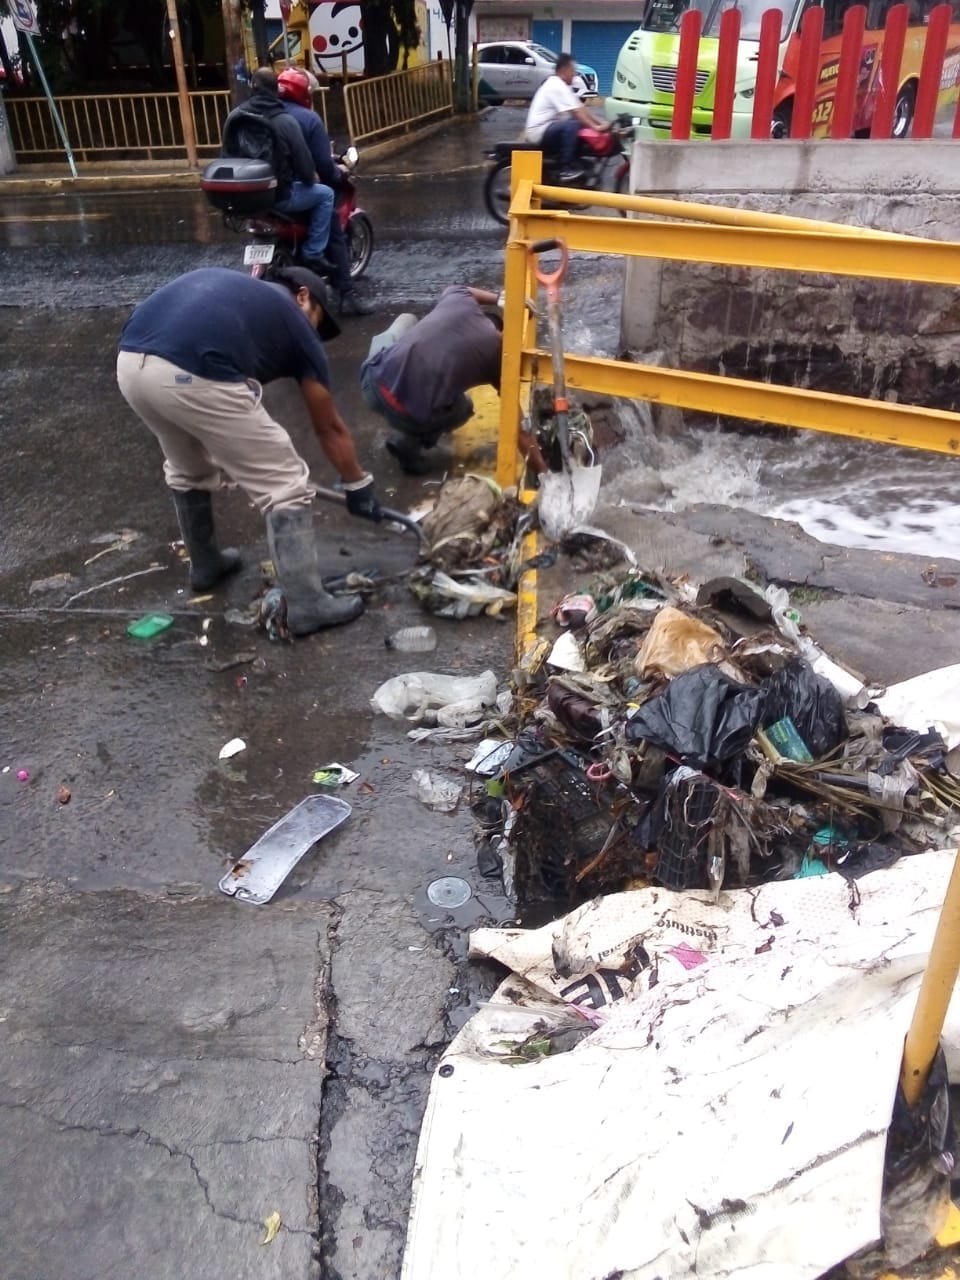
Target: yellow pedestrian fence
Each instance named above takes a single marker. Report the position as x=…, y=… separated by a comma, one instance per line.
x=392, y=104
x=116, y=125
x=707, y=234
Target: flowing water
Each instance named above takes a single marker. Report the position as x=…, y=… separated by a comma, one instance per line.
x=850, y=492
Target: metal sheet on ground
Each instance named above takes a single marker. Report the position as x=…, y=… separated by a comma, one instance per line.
x=264, y=867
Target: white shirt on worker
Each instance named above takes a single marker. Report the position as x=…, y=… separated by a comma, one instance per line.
x=552, y=101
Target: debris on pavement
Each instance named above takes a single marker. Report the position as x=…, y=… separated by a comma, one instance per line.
x=435, y=791
x=232, y=748
x=452, y=702
x=151, y=625
x=240, y=659
x=257, y=876
x=449, y=891
x=53, y=583
x=23, y=775
x=271, y=1226
x=334, y=775
x=412, y=640
x=64, y=794
x=699, y=739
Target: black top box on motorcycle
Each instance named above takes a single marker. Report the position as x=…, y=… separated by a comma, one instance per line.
x=239, y=186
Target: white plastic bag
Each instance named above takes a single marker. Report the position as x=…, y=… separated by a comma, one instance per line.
x=427, y=698
x=435, y=791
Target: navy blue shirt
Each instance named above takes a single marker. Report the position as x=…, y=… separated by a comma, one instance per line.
x=318, y=141
x=228, y=327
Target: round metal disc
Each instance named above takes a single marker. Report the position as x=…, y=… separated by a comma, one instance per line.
x=448, y=891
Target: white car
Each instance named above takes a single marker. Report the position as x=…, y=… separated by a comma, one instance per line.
x=517, y=69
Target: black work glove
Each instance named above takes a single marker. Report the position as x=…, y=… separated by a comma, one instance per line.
x=362, y=499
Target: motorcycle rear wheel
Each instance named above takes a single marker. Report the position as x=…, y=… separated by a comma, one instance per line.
x=359, y=244
x=496, y=192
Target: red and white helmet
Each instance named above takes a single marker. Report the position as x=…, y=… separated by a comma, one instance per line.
x=295, y=85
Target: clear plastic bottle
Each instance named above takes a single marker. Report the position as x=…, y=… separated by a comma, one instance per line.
x=412, y=640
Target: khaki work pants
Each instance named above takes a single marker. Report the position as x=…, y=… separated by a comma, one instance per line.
x=208, y=429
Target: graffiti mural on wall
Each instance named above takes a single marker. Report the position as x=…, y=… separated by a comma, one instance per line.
x=337, y=30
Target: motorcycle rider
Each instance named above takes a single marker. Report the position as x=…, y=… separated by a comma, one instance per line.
x=418, y=372
x=557, y=115
x=297, y=99
x=192, y=358
x=299, y=189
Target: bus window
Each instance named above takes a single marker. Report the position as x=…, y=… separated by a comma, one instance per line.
x=665, y=15
x=751, y=12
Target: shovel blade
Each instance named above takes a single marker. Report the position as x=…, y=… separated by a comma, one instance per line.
x=568, y=499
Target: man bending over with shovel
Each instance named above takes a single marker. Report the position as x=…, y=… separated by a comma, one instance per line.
x=418, y=373
x=191, y=363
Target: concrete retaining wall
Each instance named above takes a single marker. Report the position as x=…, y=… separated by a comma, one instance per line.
x=884, y=339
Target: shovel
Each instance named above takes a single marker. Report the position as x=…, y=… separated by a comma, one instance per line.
x=392, y=517
x=567, y=497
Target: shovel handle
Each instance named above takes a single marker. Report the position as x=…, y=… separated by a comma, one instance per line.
x=550, y=279
x=392, y=517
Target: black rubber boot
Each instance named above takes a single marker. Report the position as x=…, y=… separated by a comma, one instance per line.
x=208, y=564
x=351, y=304
x=409, y=453
x=295, y=552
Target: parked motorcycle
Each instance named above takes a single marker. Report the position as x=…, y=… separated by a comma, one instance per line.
x=596, y=152
x=245, y=190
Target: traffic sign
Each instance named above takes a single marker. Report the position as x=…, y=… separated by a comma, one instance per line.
x=24, y=16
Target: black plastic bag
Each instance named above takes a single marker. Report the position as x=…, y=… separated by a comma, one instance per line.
x=703, y=717
x=812, y=703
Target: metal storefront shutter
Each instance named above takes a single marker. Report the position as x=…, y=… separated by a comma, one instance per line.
x=598, y=44
x=548, y=33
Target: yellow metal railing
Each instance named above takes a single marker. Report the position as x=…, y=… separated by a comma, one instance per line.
x=121, y=126
x=390, y=104
x=708, y=233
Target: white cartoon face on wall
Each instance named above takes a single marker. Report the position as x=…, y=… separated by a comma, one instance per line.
x=335, y=30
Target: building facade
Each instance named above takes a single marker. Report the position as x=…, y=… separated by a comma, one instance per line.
x=594, y=31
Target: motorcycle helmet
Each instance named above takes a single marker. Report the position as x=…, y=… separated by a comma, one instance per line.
x=295, y=85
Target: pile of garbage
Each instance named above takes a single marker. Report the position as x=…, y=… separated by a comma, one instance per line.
x=698, y=739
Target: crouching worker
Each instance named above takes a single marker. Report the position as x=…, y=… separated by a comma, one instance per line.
x=191, y=363
x=418, y=373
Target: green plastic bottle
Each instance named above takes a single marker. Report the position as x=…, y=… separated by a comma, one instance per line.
x=150, y=626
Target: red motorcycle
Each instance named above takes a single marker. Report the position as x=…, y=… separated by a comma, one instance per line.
x=595, y=152
x=244, y=192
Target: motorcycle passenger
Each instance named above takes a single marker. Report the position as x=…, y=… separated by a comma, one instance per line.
x=557, y=115
x=297, y=99
x=299, y=189
x=418, y=372
x=192, y=358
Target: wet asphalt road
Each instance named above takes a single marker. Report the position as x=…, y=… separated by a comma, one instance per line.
x=164, y=1087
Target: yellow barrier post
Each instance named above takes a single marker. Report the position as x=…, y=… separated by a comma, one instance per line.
x=526, y=168
x=939, y=980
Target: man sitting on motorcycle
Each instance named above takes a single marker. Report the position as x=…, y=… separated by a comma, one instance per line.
x=299, y=189
x=297, y=99
x=557, y=115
